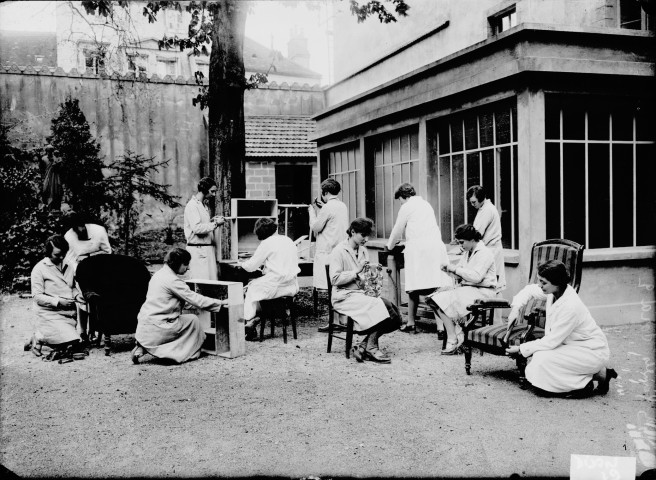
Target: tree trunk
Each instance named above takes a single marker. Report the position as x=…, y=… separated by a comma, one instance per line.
x=226, y=109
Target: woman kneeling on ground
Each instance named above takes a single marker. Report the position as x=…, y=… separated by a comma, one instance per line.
x=162, y=330
x=55, y=295
x=574, y=350
x=477, y=277
x=372, y=317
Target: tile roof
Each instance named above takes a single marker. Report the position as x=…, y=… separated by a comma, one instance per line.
x=279, y=136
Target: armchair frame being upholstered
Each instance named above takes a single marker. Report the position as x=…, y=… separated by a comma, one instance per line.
x=114, y=287
x=348, y=338
x=529, y=325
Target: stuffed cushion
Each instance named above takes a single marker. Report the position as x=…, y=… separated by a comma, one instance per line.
x=493, y=334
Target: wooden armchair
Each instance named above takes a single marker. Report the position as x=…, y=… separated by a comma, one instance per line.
x=529, y=325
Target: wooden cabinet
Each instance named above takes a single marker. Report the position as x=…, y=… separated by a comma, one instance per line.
x=224, y=330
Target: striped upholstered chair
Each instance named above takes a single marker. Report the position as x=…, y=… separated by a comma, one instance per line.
x=494, y=339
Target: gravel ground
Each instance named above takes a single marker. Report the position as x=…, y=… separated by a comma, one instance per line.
x=295, y=411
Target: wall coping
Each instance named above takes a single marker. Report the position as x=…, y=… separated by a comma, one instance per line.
x=154, y=78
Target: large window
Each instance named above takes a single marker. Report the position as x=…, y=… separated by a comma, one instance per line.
x=600, y=169
x=392, y=160
x=630, y=14
x=478, y=147
x=342, y=164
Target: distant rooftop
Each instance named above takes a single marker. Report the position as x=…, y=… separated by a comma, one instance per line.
x=279, y=136
x=40, y=49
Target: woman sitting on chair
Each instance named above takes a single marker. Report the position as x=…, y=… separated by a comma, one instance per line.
x=372, y=317
x=574, y=350
x=477, y=278
x=162, y=330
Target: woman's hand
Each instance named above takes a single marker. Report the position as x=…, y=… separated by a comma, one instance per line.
x=218, y=220
x=362, y=266
x=66, y=303
x=513, y=350
x=448, y=268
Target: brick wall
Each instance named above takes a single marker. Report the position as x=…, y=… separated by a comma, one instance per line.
x=260, y=180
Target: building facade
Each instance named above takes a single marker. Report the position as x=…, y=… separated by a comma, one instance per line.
x=548, y=105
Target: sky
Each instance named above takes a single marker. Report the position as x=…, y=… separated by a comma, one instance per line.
x=269, y=22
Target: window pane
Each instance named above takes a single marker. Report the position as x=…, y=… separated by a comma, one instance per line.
x=380, y=206
x=598, y=126
x=630, y=14
x=622, y=123
x=622, y=195
x=573, y=122
x=471, y=132
x=513, y=111
x=505, y=200
x=488, y=180
x=378, y=155
x=473, y=178
x=456, y=135
x=414, y=146
x=387, y=151
x=486, y=128
x=405, y=148
x=574, y=192
x=444, y=166
x=645, y=123
x=443, y=136
x=552, y=119
x=458, y=191
x=352, y=159
x=414, y=172
x=502, y=120
x=646, y=200
x=353, y=206
x=405, y=172
x=599, y=196
x=552, y=189
x=396, y=152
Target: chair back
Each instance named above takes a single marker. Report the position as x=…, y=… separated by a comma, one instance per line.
x=115, y=287
x=330, y=290
x=568, y=252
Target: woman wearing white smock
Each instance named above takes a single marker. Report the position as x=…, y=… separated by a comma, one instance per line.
x=574, y=351
x=54, y=295
x=162, y=330
x=487, y=222
x=84, y=240
x=424, y=252
x=199, y=232
x=477, y=278
x=277, y=255
x=371, y=316
x=329, y=221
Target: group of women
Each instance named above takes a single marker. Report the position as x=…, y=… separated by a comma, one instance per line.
x=572, y=354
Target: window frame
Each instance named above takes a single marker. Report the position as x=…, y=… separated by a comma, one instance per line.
x=586, y=142
x=495, y=22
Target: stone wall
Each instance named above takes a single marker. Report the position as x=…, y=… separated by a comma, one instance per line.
x=150, y=116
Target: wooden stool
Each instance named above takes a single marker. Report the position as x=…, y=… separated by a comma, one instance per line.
x=277, y=308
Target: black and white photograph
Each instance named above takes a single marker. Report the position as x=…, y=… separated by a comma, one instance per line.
x=323, y=239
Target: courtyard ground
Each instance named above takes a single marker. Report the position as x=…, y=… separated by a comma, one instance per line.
x=295, y=411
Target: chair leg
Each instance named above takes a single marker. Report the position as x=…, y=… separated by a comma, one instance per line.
x=349, y=336
x=272, y=319
x=468, y=356
x=444, y=339
x=284, y=314
x=521, y=365
x=331, y=318
x=108, y=344
x=292, y=316
x=263, y=317
x=315, y=300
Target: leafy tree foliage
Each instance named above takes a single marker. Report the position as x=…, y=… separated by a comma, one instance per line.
x=81, y=166
x=25, y=222
x=128, y=185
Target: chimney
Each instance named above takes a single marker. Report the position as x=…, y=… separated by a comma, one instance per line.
x=297, y=50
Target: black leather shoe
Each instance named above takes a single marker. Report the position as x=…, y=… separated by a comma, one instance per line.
x=584, y=392
x=603, y=387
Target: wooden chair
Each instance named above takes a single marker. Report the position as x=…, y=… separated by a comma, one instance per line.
x=529, y=325
x=348, y=338
x=278, y=308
